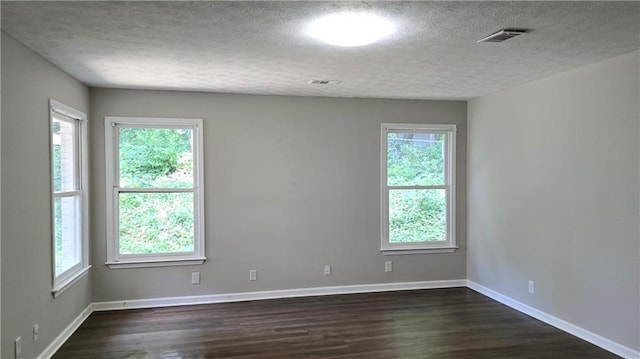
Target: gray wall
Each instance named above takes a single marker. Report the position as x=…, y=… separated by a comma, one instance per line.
x=554, y=196
x=28, y=81
x=292, y=183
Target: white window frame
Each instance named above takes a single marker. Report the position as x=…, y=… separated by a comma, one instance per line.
x=447, y=246
x=114, y=258
x=72, y=275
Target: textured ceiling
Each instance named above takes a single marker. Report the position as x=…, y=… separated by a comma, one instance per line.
x=261, y=47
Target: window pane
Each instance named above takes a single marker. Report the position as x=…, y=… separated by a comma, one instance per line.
x=156, y=223
x=417, y=215
x=66, y=229
x=415, y=159
x=156, y=157
x=64, y=155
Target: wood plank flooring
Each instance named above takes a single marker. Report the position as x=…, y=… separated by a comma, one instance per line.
x=435, y=323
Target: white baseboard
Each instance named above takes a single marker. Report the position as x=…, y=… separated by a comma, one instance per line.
x=274, y=294
x=579, y=332
x=66, y=333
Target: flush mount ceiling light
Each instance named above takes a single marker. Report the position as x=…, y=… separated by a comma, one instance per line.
x=350, y=29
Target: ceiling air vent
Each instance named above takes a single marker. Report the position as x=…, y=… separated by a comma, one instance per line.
x=323, y=82
x=503, y=35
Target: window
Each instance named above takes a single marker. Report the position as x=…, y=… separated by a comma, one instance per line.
x=418, y=188
x=69, y=192
x=154, y=188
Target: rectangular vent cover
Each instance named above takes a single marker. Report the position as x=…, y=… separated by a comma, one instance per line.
x=324, y=82
x=503, y=35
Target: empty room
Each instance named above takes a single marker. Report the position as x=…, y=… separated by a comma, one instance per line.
x=311, y=179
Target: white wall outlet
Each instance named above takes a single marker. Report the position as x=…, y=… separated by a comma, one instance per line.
x=327, y=270
x=532, y=287
x=195, y=278
x=36, y=332
x=253, y=274
x=18, y=343
x=388, y=266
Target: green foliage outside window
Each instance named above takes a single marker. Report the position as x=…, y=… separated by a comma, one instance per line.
x=155, y=157
x=156, y=222
x=416, y=215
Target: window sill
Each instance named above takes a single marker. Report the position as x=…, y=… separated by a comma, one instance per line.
x=155, y=263
x=61, y=287
x=393, y=252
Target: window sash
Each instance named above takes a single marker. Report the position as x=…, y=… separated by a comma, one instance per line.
x=449, y=185
x=421, y=243
x=419, y=131
x=76, y=230
x=158, y=255
x=76, y=148
x=145, y=124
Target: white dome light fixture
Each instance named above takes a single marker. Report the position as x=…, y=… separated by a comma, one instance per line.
x=350, y=29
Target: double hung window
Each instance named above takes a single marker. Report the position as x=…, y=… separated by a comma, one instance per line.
x=69, y=195
x=418, y=187
x=154, y=188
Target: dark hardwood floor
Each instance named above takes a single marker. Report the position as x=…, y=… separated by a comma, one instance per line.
x=435, y=323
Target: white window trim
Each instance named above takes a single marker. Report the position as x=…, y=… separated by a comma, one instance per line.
x=447, y=246
x=72, y=275
x=114, y=259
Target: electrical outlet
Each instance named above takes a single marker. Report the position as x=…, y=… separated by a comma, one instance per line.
x=532, y=287
x=195, y=278
x=18, y=343
x=327, y=270
x=253, y=274
x=36, y=331
x=388, y=266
